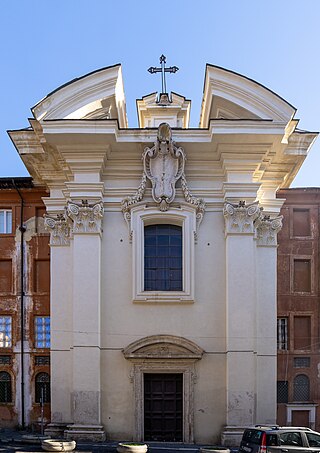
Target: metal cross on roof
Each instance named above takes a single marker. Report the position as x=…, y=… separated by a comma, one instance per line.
x=163, y=71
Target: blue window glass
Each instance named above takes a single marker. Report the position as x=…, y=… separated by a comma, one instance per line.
x=42, y=331
x=5, y=332
x=163, y=258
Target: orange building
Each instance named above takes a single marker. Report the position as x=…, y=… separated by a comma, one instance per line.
x=24, y=305
x=298, y=324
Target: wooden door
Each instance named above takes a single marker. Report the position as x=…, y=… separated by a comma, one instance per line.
x=300, y=418
x=163, y=407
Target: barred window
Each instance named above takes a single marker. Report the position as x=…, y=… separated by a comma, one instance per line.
x=163, y=258
x=5, y=387
x=301, y=362
x=282, y=333
x=282, y=391
x=42, y=360
x=42, y=390
x=42, y=331
x=5, y=331
x=301, y=388
x=5, y=359
x=5, y=221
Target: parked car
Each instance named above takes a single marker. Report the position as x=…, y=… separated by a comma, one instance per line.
x=279, y=439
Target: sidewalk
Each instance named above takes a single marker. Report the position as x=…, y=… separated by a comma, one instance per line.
x=24, y=441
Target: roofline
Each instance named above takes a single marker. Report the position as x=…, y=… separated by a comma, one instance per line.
x=74, y=80
x=247, y=78
x=22, y=182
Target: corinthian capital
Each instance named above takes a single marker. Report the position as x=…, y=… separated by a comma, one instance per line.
x=86, y=218
x=267, y=230
x=239, y=218
x=59, y=229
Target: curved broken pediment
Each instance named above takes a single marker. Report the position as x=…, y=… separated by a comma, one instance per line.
x=229, y=95
x=163, y=347
x=99, y=94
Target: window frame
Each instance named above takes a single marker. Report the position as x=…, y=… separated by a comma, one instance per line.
x=10, y=383
x=285, y=325
x=309, y=258
x=5, y=223
x=36, y=340
x=38, y=384
x=9, y=346
x=185, y=217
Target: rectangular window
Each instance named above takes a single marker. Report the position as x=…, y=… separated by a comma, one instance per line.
x=5, y=276
x=41, y=276
x=5, y=332
x=302, y=275
x=302, y=332
x=282, y=392
x=301, y=362
x=41, y=360
x=301, y=223
x=282, y=333
x=42, y=331
x=163, y=258
x=5, y=359
x=5, y=221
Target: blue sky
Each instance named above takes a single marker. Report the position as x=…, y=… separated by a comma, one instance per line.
x=45, y=44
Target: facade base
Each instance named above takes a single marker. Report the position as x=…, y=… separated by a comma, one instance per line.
x=94, y=433
x=231, y=436
x=55, y=430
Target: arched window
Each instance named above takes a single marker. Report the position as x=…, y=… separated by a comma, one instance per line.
x=162, y=258
x=42, y=388
x=301, y=388
x=5, y=387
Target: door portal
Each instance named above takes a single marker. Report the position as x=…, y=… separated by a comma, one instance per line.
x=163, y=407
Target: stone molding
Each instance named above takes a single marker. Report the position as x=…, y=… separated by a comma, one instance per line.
x=163, y=347
x=239, y=218
x=163, y=165
x=153, y=355
x=59, y=229
x=267, y=230
x=86, y=218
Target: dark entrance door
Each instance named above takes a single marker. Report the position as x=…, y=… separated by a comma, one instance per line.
x=163, y=407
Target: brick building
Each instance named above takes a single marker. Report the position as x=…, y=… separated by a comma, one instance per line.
x=24, y=288
x=298, y=309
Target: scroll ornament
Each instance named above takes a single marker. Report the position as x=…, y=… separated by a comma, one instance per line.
x=59, y=229
x=163, y=165
x=86, y=218
x=267, y=230
x=239, y=218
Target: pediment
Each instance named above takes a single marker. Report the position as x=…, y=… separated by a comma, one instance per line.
x=163, y=347
x=98, y=95
x=230, y=95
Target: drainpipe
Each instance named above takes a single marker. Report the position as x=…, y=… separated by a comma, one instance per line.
x=22, y=229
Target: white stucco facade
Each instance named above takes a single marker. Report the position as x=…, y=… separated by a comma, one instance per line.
x=219, y=330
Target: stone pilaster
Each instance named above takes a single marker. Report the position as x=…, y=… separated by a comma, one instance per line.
x=59, y=227
x=266, y=271
x=86, y=395
x=241, y=318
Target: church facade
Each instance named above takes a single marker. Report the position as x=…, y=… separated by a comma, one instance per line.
x=163, y=255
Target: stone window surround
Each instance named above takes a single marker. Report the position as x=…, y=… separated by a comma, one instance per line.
x=302, y=407
x=306, y=258
x=185, y=217
x=306, y=208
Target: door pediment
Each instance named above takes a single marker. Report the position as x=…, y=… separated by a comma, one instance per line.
x=163, y=347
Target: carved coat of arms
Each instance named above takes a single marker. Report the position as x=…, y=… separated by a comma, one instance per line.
x=164, y=165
